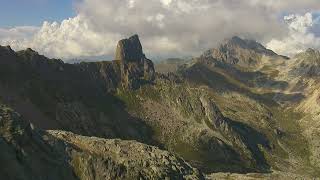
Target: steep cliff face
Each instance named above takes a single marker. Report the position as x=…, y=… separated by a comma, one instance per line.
x=129, y=50
x=136, y=69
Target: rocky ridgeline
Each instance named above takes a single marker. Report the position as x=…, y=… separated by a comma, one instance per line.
x=28, y=153
x=76, y=97
x=130, y=69
x=241, y=52
x=306, y=64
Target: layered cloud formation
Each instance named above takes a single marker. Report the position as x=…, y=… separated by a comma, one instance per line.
x=171, y=27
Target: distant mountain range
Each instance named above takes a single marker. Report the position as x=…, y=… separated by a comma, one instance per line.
x=238, y=111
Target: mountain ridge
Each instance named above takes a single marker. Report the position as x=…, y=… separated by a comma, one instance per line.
x=236, y=51
x=33, y=154
x=228, y=112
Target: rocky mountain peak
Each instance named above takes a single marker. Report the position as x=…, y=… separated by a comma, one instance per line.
x=135, y=67
x=235, y=40
x=237, y=51
x=129, y=49
x=30, y=50
x=248, y=44
x=28, y=53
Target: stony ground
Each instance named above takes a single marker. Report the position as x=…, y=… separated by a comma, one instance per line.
x=32, y=154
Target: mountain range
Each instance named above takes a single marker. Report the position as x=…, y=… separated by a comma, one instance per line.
x=237, y=111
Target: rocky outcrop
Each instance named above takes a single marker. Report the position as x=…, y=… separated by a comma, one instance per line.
x=29, y=153
x=129, y=49
x=118, y=159
x=136, y=69
x=25, y=154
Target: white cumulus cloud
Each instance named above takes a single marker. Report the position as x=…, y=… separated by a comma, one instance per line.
x=299, y=38
x=166, y=27
x=69, y=39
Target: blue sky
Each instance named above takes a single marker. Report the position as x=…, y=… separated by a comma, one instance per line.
x=34, y=12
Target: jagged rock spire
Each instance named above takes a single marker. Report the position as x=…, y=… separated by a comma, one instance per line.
x=135, y=67
x=129, y=49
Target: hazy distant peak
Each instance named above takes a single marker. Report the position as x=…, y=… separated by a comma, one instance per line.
x=242, y=52
x=312, y=52
x=238, y=41
x=248, y=44
x=309, y=54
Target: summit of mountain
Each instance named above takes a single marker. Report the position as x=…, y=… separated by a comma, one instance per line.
x=240, y=52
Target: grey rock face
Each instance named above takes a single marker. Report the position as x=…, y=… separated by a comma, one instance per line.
x=34, y=154
x=119, y=159
x=149, y=71
x=136, y=69
x=25, y=155
x=129, y=49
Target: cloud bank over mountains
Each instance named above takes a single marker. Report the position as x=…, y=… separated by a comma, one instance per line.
x=172, y=27
x=301, y=35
